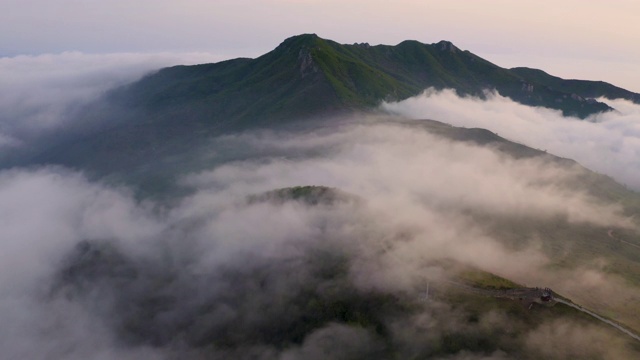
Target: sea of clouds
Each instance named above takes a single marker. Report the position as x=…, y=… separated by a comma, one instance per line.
x=90, y=270
x=608, y=142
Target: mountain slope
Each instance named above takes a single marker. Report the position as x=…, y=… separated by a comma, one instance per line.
x=164, y=116
x=582, y=88
x=277, y=303
x=306, y=76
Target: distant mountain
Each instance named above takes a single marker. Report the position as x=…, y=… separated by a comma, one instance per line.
x=581, y=88
x=162, y=117
x=307, y=75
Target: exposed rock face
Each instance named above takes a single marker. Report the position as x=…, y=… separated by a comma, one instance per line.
x=447, y=46
x=307, y=65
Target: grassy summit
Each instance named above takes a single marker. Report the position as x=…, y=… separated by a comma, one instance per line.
x=307, y=75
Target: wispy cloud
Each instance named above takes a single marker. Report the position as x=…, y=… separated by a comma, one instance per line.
x=39, y=94
x=608, y=143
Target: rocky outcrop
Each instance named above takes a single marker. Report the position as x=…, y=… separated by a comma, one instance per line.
x=307, y=64
x=447, y=46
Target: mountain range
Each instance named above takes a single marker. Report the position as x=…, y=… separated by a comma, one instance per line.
x=307, y=75
x=171, y=111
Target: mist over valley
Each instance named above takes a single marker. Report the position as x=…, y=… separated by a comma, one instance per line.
x=319, y=201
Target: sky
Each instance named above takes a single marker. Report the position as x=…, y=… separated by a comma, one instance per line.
x=570, y=38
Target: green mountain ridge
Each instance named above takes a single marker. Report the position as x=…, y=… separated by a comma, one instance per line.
x=307, y=75
x=305, y=78
x=165, y=120
x=583, y=88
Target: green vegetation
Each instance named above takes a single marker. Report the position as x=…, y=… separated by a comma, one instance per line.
x=310, y=195
x=281, y=303
x=485, y=280
x=583, y=88
x=306, y=75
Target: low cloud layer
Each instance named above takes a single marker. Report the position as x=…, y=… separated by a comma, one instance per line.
x=87, y=271
x=608, y=143
x=40, y=94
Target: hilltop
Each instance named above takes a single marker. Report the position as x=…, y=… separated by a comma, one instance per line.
x=307, y=75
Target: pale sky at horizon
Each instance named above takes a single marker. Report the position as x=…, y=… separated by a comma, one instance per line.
x=594, y=40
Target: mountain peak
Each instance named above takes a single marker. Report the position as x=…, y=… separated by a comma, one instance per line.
x=307, y=75
x=444, y=45
x=300, y=41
